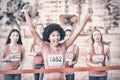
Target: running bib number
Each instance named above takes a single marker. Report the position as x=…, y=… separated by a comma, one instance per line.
x=98, y=58
x=55, y=60
x=37, y=49
x=15, y=57
x=69, y=57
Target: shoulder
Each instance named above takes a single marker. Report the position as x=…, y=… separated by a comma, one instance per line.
x=75, y=46
x=63, y=45
x=45, y=45
x=21, y=46
x=106, y=48
x=5, y=47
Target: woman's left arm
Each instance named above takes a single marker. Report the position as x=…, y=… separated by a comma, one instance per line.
x=76, y=55
x=79, y=28
x=108, y=56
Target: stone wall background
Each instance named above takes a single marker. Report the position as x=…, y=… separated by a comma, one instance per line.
x=100, y=20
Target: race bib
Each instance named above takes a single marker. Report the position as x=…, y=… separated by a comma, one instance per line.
x=15, y=57
x=37, y=49
x=98, y=58
x=55, y=60
x=69, y=57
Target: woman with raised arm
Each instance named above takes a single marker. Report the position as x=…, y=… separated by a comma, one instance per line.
x=35, y=51
x=72, y=55
x=53, y=51
x=13, y=56
x=98, y=54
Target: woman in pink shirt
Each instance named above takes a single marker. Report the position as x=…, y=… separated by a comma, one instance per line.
x=38, y=62
x=53, y=51
x=98, y=55
x=72, y=55
x=13, y=55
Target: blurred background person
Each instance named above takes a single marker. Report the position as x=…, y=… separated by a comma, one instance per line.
x=13, y=55
x=98, y=54
x=72, y=55
x=35, y=51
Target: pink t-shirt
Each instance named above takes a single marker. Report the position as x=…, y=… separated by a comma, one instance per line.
x=38, y=59
x=16, y=57
x=70, y=56
x=54, y=59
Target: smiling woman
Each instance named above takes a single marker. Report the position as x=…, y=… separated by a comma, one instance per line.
x=52, y=30
x=52, y=48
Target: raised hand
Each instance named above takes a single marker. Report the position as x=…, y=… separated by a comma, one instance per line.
x=26, y=8
x=90, y=12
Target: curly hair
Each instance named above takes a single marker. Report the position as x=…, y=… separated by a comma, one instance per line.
x=51, y=28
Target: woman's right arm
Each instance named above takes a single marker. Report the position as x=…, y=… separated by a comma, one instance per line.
x=38, y=40
x=31, y=50
x=3, y=57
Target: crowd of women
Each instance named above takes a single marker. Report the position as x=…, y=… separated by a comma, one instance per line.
x=53, y=47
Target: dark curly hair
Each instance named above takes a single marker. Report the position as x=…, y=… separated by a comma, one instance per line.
x=50, y=28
